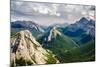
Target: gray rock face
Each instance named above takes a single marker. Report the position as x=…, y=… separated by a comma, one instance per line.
x=25, y=50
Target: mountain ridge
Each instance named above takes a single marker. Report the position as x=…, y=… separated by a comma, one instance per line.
x=57, y=44
x=25, y=47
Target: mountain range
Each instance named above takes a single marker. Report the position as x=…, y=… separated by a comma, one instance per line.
x=59, y=43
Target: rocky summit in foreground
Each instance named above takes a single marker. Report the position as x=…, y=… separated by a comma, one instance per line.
x=25, y=50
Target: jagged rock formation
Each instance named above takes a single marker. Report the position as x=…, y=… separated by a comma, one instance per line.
x=25, y=50
x=53, y=33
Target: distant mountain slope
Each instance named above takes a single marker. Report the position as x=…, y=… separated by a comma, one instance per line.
x=81, y=31
x=26, y=24
x=25, y=50
x=17, y=26
x=81, y=26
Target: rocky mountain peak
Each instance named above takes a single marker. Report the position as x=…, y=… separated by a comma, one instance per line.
x=26, y=50
x=83, y=20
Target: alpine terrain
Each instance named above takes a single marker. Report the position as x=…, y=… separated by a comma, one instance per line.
x=25, y=50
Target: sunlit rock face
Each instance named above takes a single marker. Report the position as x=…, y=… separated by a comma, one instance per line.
x=25, y=50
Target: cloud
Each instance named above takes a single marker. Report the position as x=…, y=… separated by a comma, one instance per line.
x=44, y=13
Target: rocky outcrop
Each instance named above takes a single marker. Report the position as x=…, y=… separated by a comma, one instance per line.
x=25, y=50
x=52, y=34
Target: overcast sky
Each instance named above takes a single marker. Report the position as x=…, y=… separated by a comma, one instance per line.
x=50, y=13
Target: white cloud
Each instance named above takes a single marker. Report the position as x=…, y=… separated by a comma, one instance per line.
x=43, y=10
x=49, y=12
x=92, y=14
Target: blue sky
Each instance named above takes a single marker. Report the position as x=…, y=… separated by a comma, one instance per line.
x=50, y=13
